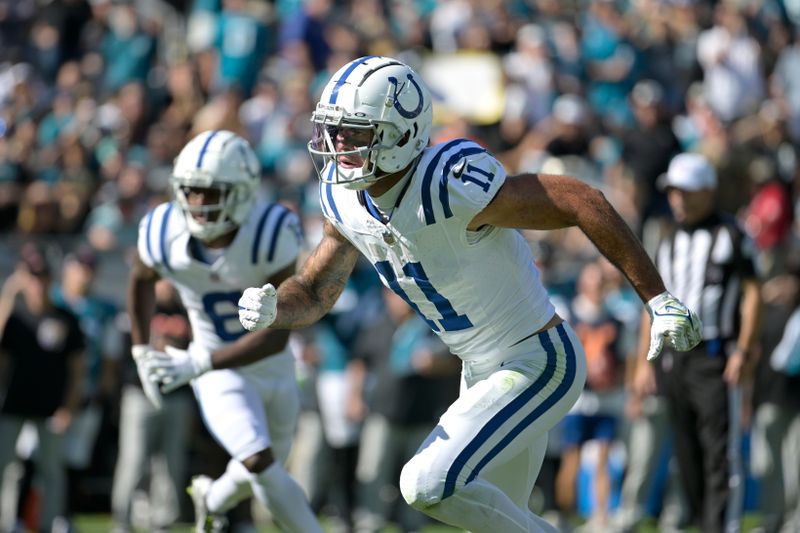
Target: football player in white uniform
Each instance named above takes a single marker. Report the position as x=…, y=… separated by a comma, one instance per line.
x=438, y=225
x=212, y=242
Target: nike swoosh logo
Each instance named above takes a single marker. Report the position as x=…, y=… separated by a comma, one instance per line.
x=680, y=313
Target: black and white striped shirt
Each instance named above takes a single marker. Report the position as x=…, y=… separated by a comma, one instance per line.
x=704, y=266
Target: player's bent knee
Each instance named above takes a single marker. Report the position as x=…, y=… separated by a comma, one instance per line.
x=260, y=461
x=419, y=486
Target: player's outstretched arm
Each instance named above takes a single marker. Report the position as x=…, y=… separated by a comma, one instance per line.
x=141, y=305
x=141, y=300
x=542, y=202
x=305, y=297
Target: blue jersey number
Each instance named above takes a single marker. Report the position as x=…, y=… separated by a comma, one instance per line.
x=450, y=321
x=223, y=310
x=480, y=182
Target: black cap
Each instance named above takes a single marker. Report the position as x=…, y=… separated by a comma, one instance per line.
x=33, y=259
x=85, y=255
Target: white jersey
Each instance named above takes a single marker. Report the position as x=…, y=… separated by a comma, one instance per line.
x=479, y=291
x=267, y=242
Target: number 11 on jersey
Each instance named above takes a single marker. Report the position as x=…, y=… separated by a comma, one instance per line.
x=450, y=321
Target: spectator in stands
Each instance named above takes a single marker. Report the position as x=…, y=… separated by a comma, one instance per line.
x=38, y=210
x=302, y=40
x=113, y=224
x=731, y=61
x=610, y=61
x=530, y=91
x=785, y=84
x=242, y=44
x=768, y=217
x=648, y=147
x=75, y=186
x=128, y=50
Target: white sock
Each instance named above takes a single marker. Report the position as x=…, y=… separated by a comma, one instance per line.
x=481, y=507
x=230, y=488
x=285, y=499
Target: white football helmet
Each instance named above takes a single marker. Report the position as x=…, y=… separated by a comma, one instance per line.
x=220, y=160
x=374, y=93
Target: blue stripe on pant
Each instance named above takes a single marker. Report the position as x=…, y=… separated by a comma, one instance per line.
x=515, y=406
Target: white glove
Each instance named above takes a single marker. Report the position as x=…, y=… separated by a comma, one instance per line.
x=257, y=307
x=142, y=354
x=177, y=367
x=671, y=320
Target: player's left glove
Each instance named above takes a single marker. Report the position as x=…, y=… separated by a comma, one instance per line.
x=177, y=367
x=672, y=321
x=258, y=307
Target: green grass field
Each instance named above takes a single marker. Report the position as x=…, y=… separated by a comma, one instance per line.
x=98, y=523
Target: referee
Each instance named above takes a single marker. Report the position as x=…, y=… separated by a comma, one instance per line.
x=705, y=260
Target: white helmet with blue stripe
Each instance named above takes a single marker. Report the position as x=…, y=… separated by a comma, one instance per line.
x=220, y=168
x=377, y=101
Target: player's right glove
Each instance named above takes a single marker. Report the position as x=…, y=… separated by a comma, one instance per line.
x=672, y=321
x=141, y=354
x=174, y=367
x=258, y=306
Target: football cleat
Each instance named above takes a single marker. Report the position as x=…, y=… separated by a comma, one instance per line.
x=205, y=521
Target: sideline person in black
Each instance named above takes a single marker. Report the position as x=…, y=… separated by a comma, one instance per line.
x=706, y=261
x=41, y=366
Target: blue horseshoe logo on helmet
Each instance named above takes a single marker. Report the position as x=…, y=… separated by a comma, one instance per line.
x=400, y=109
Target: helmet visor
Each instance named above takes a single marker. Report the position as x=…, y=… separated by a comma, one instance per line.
x=349, y=145
x=348, y=149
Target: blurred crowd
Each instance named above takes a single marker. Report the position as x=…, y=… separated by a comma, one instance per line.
x=97, y=97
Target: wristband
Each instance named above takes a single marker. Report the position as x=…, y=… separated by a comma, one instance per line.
x=203, y=360
x=656, y=300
